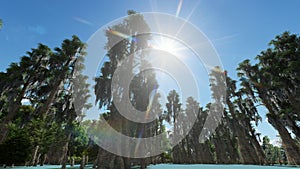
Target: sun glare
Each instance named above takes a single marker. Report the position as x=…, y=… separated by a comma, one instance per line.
x=167, y=44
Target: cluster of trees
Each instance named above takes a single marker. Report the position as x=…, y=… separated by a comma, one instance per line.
x=47, y=128
x=235, y=140
x=274, y=82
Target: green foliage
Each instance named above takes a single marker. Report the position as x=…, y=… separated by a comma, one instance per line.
x=78, y=144
x=51, y=117
x=16, y=149
x=274, y=154
x=274, y=82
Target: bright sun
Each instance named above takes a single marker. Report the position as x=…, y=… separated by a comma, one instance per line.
x=167, y=44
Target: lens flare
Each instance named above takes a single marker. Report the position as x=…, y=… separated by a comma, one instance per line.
x=179, y=8
x=139, y=141
x=172, y=39
x=152, y=96
x=122, y=35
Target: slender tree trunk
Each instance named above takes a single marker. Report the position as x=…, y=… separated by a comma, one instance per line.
x=38, y=159
x=86, y=159
x=34, y=157
x=189, y=152
x=72, y=163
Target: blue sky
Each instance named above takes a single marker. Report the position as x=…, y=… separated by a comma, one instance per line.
x=238, y=29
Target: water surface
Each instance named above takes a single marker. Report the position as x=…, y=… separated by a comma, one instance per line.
x=208, y=166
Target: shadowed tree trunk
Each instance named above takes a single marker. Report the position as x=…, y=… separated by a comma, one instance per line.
x=83, y=162
x=289, y=144
x=64, y=155
x=43, y=160
x=205, y=153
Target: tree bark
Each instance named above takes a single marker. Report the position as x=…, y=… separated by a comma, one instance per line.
x=64, y=155
x=34, y=156
x=86, y=159
x=82, y=164
x=220, y=149
x=43, y=160
x=289, y=144
x=248, y=153
x=143, y=165
x=72, y=161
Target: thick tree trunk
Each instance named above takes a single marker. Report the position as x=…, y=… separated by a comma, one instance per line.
x=260, y=154
x=232, y=123
x=176, y=155
x=184, y=158
x=290, y=146
x=189, y=152
x=43, y=160
x=220, y=149
x=143, y=165
x=54, y=153
x=247, y=151
x=95, y=164
x=293, y=126
x=206, y=155
x=83, y=162
x=127, y=163
x=108, y=160
x=202, y=153
x=233, y=151
x=64, y=155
